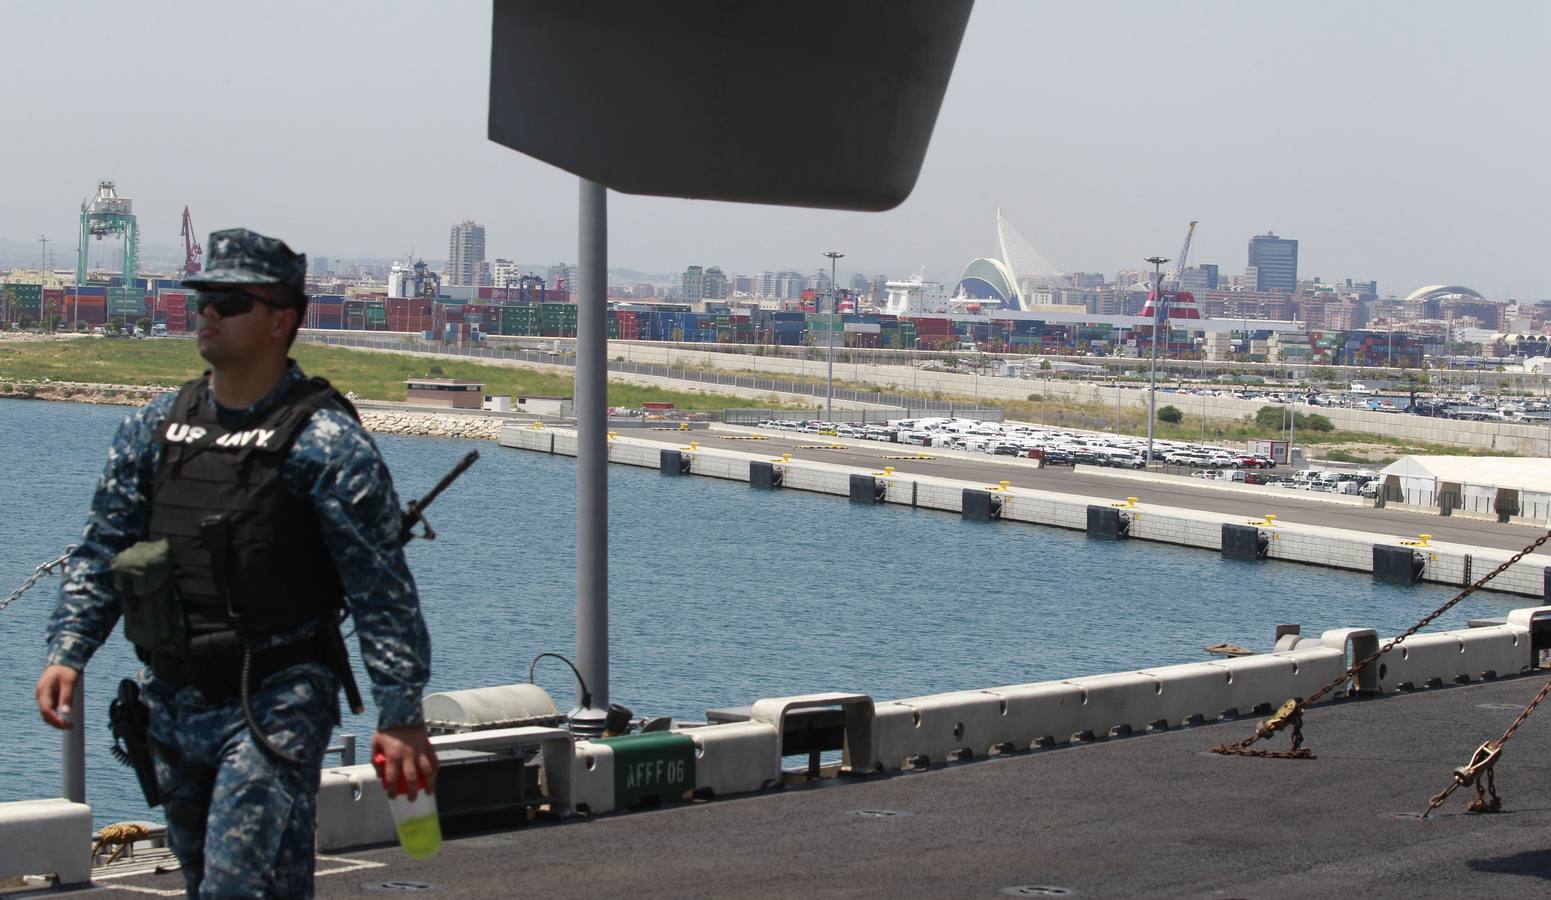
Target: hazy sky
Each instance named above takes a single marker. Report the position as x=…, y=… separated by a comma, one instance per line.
x=1402, y=141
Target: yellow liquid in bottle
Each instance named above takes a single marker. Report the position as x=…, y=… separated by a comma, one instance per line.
x=421, y=836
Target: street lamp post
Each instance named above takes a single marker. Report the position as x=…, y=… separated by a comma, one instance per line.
x=1152, y=373
x=1292, y=425
x=834, y=310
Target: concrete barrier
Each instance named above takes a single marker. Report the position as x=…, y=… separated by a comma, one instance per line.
x=352, y=809
x=1118, y=704
x=46, y=837
x=1035, y=714
x=1265, y=680
x=954, y=726
x=1189, y=693
x=592, y=779
x=1495, y=652
x=858, y=724
x=734, y=758
x=1422, y=660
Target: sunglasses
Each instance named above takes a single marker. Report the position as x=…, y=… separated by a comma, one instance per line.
x=229, y=303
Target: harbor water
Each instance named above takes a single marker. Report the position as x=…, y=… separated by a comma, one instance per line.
x=719, y=594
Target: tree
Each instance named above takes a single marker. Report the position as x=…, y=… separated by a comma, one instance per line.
x=143, y=324
x=1171, y=415
x=1044, y=365
x=1271, y=417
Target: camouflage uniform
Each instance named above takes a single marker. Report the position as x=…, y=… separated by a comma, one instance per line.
x=242, y=823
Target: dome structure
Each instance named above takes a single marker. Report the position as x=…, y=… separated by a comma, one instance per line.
x=1434, y=291
x=989, y=279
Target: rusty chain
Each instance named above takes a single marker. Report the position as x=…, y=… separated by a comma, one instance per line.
x=1291, y=712
x=39, y=572
x=1484, y=761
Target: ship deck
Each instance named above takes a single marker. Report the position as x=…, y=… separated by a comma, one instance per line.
x=1154, y=815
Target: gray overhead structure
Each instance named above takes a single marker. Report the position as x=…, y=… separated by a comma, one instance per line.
x=569, y=85
x=1434, y=291
x=566, y=87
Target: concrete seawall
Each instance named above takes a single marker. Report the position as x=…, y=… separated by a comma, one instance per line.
x=1339, y=548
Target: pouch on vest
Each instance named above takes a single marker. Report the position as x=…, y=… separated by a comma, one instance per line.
x=153, y=614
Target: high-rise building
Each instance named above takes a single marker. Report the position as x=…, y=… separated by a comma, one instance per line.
x=694, y=285
x=859, y=283
x=1275, y=260
x=504, y=272
x=715, y=284
x=465, y=255
x=321, y=265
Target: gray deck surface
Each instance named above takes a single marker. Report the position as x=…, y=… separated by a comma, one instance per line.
x=1061, y=479
x=1147, y=816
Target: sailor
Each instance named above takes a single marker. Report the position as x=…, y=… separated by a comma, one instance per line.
x=270, y=511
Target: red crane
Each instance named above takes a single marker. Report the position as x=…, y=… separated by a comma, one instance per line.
x=191, y=248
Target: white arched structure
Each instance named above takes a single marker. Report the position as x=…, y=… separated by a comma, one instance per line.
x=1433, y=291
x=989, y=279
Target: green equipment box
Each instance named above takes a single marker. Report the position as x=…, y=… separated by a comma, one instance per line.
x=652, y=769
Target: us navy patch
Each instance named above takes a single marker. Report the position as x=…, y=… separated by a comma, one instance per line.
x=203, y=436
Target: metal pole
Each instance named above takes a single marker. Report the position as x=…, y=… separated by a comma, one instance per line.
x=834, y=312
x=1152, y=372
x=1292, y=428
x=1203, y=394
x=72, y=746
x=592, y=485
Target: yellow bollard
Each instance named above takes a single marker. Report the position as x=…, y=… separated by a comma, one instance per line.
x=694, y=445
x=1131, y=501
x=1003, y=485
x=888, y=471
x=1424, y=539
x=683, y=426
x=786, y=457
x=537, y=425
x=1270, y=518
x=613, y=435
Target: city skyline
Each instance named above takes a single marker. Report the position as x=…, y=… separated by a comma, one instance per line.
x=1393, y=140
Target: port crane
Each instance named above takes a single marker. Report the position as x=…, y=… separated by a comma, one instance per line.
x=1160, y=305
x=192, y=250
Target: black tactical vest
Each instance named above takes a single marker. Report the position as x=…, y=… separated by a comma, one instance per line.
x=278, y=572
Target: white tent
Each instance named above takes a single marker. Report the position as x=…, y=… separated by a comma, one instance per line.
x=1483, y=484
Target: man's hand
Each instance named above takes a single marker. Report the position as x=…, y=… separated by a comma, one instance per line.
x=406, y=752
x=55, y=689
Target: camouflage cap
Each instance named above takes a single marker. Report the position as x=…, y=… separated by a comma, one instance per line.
x=240, y=256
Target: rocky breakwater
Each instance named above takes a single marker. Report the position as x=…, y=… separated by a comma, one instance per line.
x=450, y=425
x=381, y=421
x=81, y=392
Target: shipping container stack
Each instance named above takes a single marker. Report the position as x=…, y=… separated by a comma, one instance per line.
x=326, y=311
x=932, y=333
x=519, y=320
x=24, y=303
x=170, y=307
x=408, y=314
x=627, y=325
x=557, y=320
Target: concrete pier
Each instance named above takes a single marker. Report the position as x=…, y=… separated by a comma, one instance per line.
x=1312, y=531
